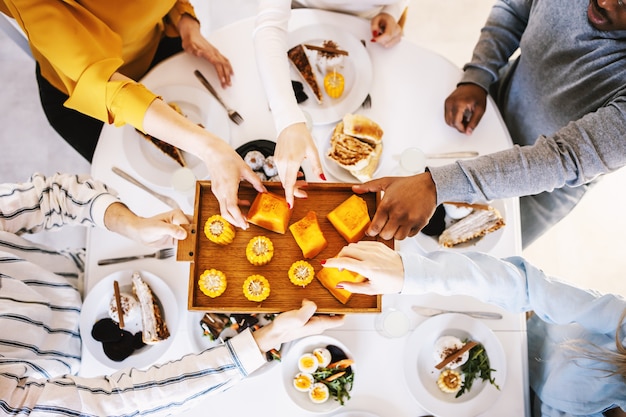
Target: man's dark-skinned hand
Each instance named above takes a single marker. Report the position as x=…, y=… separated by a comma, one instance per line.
x=465, y=107
x=407, y=205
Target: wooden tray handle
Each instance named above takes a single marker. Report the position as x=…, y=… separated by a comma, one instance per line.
x=187, y=247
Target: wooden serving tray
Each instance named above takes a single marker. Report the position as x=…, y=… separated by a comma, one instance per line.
x=231, y=259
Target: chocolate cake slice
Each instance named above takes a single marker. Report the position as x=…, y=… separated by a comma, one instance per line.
x=300, y=61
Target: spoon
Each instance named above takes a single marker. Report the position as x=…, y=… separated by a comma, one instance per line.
x=431, y=312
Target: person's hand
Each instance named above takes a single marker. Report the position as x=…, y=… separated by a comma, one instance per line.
x=161, y=230
x=378, y=263
x=385, y=30
x=293, y=325
x=226, y=169
x=194, y=43
x=465, y=107
x=407, y=205
x=294, y=144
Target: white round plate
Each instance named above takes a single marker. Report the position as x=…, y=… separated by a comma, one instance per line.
x=421, y=375
x=357, y=72
x=338, y=173
x=483, y=244
x=202, y=342
x=290, y=369
x=96, y=307
x=355, y=413
x=153, y=165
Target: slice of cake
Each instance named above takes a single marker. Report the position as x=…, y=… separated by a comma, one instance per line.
x=300, y=60
x=154, y=327
x=170, y=150
x=482, y=220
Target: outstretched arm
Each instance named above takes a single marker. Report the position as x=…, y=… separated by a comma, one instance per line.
x=512, y=283
x=167, y=388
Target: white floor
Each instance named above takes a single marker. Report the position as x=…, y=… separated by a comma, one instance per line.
x=584, y=248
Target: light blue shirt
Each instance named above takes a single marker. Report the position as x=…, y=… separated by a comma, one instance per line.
x=565, y=383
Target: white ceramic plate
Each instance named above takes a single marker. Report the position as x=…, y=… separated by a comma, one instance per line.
x=338, y=173
x=357, y=72
x=290, y=369
x=421, y=375
x=153, y=165
x=484, y=244
x=355, y=413
x=96, y=306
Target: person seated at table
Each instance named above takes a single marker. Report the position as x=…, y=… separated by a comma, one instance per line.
x=294, y=141
x=89, y=57
x=576, y=338
x=40, y=304
x=563, y=102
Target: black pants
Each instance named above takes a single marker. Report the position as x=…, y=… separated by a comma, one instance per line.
x=79, y=130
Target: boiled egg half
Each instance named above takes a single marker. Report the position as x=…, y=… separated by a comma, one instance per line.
x=303, y=381
x=323, y=357
x=319, y=393
x=308, y=363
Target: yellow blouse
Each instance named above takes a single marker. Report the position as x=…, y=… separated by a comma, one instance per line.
x=80, y=44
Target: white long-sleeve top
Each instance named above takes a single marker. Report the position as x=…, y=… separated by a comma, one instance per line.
x=40, y=346
x=270, y=41
x=566, y=384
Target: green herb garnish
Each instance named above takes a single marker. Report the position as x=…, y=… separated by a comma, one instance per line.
x=477, y=366
x=339, y=387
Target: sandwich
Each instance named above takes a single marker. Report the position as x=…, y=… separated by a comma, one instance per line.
x=356, y=146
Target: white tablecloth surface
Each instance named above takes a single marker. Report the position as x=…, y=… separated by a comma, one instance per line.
x=409, y=87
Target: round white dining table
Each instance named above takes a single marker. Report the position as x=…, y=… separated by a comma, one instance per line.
x=408, y=89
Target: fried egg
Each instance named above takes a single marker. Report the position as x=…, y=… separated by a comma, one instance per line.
x=447, y=345
x=319, y=393
x=323, y=356
x=308, y=363
x=303, y=381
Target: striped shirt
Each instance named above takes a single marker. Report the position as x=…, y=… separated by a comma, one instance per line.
x=40, y=345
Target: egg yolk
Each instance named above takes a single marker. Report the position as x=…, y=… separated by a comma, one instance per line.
x=319, y=394
x=302, y=382
x=307, y=362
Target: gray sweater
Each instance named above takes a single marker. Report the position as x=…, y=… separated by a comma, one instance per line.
x=563, y=100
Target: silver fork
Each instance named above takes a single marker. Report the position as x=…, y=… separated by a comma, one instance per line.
x=367, y=103
x=160, y=254
x=232, y=114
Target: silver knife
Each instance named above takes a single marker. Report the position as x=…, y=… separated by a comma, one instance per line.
x=167, y=200
x=430, y=312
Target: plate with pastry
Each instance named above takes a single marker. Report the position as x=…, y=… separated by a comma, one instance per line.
x=464, y=227
x=154, y=160
x=353, y=151
x=149, y=319
x=455, y=365
x=333, y=68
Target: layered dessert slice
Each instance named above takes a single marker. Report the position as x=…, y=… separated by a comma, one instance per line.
x=154, y=326
x=482, y=220
x=300, y=60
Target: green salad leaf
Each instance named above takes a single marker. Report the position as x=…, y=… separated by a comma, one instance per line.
x=338, y=387
x=477, y=366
